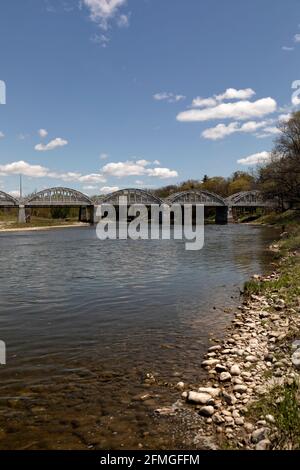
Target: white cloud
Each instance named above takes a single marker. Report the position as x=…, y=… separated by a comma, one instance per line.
x=92, y=178
x=109, y=189
x=297, y=38
x=169, y=97
x=15, y=193
x=101, y=39
x=137, y=168
x=162, y=173
x=233, y=94
x=24, y=168
x=287, y=48
x=285, y=117
x=53, y=144
x=229, y=94
x=269, y=131
x=256, y=158
x=101, y=11
x=221, y=130
x=2, y=135
x=240, y=110
x=38, y=171
x=123, y=21
x=156, y=162
x=104, y=156
x=128, y=168
x=43, y=133
x=203, y=102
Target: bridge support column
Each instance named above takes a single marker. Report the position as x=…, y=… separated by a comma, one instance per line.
x=230, y=216
x=222, y=215
x=22, y=215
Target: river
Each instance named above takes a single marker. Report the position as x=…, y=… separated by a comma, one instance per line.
x=98, y=334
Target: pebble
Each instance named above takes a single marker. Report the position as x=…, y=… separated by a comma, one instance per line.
x=296, y=359
x=259, y=435
x=213, y=392
x=225, y=377
x=200, y=398
x=229, y=399
x=240, y=388
x=265, y=444
x=235, y=370
x=207, y=411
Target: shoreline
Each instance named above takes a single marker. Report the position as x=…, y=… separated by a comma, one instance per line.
x=43, y=228
x=250, y=399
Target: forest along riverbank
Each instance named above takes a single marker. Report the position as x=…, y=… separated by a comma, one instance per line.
x=251, y=399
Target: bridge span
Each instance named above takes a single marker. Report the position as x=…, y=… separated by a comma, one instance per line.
x=66, y=197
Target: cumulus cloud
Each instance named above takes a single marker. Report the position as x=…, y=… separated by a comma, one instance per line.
x=128, y=168
x=297, y=38
x=137, y=168
x=109, y=189
x=269, y=131
x=24, y=168
x=222, y=130
x=204, y=102
x=2, y=135
x=104, y=156
x=102, y=11
x=52, y=145
x=229, y=94
x=38, y=171
x=240, y=110
x=43, y=133
x=288, y=48
x=256, y=158
x=169, y=97
x=162, y=173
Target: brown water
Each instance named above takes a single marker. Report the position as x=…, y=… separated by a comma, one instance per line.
x=85, y=321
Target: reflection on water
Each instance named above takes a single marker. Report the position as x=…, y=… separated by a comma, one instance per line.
x=85, y=321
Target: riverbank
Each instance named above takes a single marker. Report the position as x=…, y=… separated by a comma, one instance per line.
x=34, y=228
x=251, y=399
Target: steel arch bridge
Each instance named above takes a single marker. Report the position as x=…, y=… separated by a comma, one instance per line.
x=247, y=199
x=134, y=196
x=197, y=197
x=6, y=200
x=58, y=197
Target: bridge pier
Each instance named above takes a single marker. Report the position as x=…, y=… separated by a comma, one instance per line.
x=221, y=215
x=22, y=215
x=230, y=215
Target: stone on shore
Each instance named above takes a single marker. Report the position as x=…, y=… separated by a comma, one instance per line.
x=207, y=411
x=235, y=370
x=296, y=359
x=200, y=398
x=225, y=377
x=213, y=392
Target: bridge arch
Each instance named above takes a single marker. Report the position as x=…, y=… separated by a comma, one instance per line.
x=6, y=200
x=247, y=199
x=58, y=196
x=197, y=197
x=134, y=196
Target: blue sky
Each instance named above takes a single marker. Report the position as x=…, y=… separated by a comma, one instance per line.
x=119, y=89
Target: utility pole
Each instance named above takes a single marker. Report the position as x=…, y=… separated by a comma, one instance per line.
x=21, y=187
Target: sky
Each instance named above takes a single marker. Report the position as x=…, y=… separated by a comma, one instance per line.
x=98, y=95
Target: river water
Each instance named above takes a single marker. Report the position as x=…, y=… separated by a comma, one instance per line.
x=98, y=334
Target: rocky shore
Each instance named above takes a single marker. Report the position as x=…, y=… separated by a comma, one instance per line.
x=251, y=397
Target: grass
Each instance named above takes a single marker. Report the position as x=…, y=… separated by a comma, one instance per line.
x=288, y=218
x=283, y=404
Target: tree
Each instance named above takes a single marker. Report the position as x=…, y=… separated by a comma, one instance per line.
x=280, y=178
